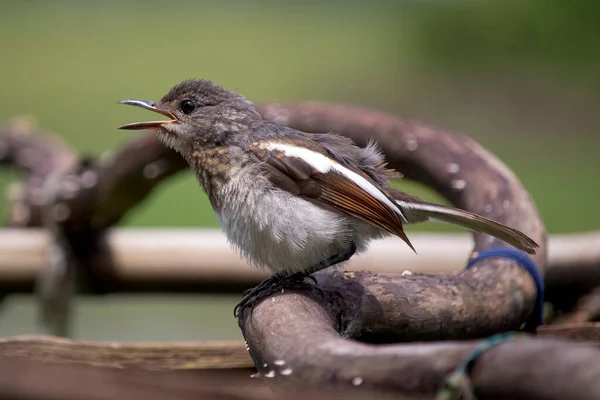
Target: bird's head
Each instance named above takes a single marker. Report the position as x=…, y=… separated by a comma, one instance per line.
x=199, y=112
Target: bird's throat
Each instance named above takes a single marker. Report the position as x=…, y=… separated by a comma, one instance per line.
x=211, y=167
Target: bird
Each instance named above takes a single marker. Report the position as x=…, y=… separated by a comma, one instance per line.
x=290, y=201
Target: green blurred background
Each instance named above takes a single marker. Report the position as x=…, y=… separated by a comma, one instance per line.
x=521, y=77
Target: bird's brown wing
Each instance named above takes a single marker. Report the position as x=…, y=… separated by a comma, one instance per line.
x=330, y=189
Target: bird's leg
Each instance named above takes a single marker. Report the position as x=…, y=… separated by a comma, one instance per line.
x=280, y=281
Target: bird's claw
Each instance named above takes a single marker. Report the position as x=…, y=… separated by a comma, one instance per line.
x=266, y=288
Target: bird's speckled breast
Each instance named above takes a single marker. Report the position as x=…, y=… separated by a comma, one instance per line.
x=211, y=166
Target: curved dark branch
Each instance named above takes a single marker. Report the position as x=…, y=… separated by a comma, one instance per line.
x=77, y=199
x=130, y=175
x=36, y=154
x=96, y=193
x=35, y=157
x=301, y=348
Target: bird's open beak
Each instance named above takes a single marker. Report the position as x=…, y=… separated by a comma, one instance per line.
x=148, y=105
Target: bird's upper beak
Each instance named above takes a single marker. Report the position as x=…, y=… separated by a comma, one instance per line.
x=148, y=105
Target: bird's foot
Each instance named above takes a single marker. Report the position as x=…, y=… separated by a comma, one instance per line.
x=266, y=288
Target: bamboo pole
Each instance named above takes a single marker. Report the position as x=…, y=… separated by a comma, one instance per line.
x=204, y=254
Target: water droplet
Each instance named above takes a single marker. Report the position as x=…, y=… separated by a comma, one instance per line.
x=357, y=381
x=453, y=168
x=411, y=144
x=61, y=212
x=276, y=113
x=458, y=184
x=150, y=171
x=270, y=374
x=154, y=169
x=89, y=179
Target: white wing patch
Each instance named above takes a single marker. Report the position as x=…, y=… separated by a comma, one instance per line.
x=325, y=164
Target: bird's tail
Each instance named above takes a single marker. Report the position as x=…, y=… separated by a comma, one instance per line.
x=420, y=211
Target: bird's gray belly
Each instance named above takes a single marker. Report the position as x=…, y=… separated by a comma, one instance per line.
x=274, y=229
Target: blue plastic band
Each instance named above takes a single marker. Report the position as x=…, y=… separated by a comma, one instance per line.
x=521, y=258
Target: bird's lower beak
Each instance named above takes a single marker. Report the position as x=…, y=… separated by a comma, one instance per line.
x=148, y=105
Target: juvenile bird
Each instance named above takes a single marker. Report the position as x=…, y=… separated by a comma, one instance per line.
x=291, y=201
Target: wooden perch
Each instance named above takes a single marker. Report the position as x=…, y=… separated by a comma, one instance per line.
x=47, y=368
x=303, y=338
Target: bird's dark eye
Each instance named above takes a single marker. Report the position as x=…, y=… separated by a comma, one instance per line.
x=187, y=106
